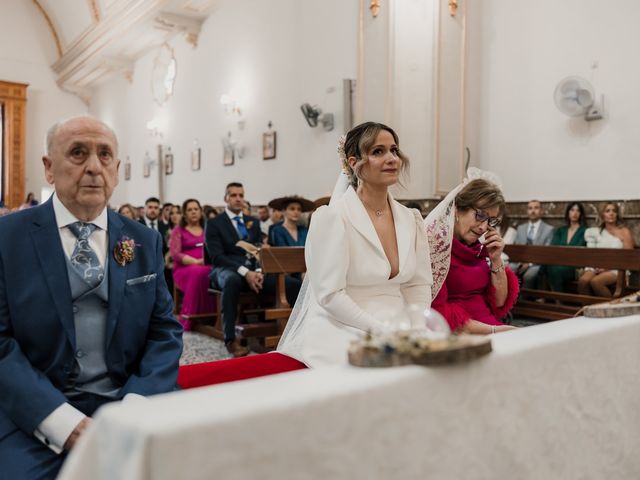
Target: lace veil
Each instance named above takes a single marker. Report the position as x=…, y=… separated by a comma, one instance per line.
x=439, y=226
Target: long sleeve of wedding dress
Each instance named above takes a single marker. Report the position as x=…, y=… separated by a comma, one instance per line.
x=327, y=256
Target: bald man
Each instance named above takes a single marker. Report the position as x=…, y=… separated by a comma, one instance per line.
x=85, y=314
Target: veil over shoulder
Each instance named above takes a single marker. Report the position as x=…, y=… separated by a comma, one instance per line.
x=290, y=340
x=439, y=227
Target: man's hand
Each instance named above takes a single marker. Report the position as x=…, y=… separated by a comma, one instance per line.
x=254, y=279
x=73, y=437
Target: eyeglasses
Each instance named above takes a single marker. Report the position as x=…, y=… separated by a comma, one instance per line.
x=482, y=216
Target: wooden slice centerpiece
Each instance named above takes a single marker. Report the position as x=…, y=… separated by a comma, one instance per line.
x=629, y=305
x=405, y=350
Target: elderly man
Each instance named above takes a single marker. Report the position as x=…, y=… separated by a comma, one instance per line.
x=85, y=315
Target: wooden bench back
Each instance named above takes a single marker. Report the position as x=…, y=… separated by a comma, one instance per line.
x=283, y=260
x=607, y=258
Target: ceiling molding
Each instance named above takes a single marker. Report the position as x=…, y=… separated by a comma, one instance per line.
x=123, y=15
x=189, y=26
x=54, y=33
x=124, y=32
x=95, y=10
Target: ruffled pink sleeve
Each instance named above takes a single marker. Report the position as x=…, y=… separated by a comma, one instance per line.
x=513, y=289
x=175, y=245
x=454, y=314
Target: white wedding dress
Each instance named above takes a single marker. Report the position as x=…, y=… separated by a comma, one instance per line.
x=349, y=289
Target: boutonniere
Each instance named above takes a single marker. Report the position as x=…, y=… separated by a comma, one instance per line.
x=249, y=224
x=124, y=251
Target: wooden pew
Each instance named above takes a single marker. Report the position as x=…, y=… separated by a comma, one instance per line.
x=607, y=258
x=279, y=261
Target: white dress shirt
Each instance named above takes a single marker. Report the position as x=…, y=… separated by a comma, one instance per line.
x=148, y=222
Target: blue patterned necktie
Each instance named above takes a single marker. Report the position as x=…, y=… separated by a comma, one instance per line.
x=530, y=234
x=84, y=258
x=242, y=230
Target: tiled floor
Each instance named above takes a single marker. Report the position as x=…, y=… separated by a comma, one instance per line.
x=200, y=348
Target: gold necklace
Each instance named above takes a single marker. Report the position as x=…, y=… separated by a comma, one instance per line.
x=378, y=213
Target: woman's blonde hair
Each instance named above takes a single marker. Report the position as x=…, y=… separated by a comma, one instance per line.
x=357, y=144
x=481, y=194
x=616, y=207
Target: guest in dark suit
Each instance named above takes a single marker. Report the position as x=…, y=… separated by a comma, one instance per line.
x=153, y=220
x=85, y=316
x=232, y=271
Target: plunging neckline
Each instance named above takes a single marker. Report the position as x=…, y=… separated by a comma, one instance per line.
x=395, y=237
x=361, y=221
x=295, y=240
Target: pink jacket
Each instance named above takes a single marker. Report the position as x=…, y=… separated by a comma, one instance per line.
x=467, y=293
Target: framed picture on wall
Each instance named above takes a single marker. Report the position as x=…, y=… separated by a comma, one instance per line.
x=268, y=145
x=127, y=171
x=168, y=163
x=195, y=159
x=228, y=157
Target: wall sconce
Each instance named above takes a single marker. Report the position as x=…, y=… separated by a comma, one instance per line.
x=453, y=7
x=157, y=125
x=374, y=7
x=230, y=105
x=314, y=115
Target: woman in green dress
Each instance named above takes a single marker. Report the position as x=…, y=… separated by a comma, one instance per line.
x=569, y=235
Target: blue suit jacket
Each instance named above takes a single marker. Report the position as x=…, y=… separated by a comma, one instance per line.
x=221, y=238
x=37, y=333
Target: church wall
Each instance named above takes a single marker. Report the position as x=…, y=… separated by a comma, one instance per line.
x=271, y=56
x=518, y=51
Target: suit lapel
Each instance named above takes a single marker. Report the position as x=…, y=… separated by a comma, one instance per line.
x=46, y=239
x=360, y=220
x=117, y=273
x=542, y=230
x=230, y=228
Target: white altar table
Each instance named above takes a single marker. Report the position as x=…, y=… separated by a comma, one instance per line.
x=553, y=401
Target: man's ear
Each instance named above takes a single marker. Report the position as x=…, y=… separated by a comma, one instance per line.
x=117, y=171
x=48, y=175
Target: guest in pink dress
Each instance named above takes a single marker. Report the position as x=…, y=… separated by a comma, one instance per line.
x=190, y=274
x=477, y=290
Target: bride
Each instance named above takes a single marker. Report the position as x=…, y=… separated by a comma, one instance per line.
x=367, y=255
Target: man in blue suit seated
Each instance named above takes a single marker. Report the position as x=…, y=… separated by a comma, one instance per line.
x=85, y=314
x=232, y=271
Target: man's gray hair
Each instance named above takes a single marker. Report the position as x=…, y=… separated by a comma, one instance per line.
x=53, y=130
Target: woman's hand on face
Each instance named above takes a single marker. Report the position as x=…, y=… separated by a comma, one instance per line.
x=494, y=245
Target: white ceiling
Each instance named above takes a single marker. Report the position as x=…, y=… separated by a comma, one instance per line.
x=100, y=38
